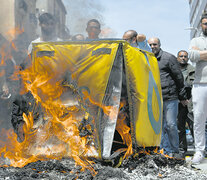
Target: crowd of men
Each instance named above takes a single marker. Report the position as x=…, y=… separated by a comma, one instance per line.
x=178, y=78
x=184, y=88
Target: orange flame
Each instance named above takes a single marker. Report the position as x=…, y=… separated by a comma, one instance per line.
x=56, y=133
x=5, y=50
x=123, y=130
x=57, y=136
x=14, y=32
x=162, y=152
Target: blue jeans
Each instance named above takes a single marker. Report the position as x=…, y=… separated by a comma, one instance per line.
x=170, y=138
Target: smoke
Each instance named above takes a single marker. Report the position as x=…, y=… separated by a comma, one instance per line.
x=12, y=54
x=15, y=17
x=14, y=41
x=79, y=12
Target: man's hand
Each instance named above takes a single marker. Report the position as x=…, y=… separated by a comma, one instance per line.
x=141, y=37
x=184, y=102
x=203, y=54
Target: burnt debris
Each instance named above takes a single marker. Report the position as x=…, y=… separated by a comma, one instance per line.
x=138, y=166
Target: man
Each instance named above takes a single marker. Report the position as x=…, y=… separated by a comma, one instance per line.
x=198, y=55
x=136, y=40
x=93, y=29
x=26, y=103
x=172, y=89
x=47, y=24
x=185, y=113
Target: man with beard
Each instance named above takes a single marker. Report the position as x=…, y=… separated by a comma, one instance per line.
x=185, y=113
x=136, y=40
x=172, y=89
x=93, y=29
x=198, y=55
x=47, y=24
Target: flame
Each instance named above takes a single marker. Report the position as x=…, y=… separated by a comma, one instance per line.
x=124, y=130
x=156, y=150
x=108, y=110
x=5, y=51
x=162, y=152
x=121, y=125
x=14, y=32
x=55, y=133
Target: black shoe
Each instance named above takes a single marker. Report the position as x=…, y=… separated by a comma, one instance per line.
x=178, y=156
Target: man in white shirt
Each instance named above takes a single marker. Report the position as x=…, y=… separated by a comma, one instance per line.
x=198, y=55
x=23, y=103
x=47, y=23
x=93, y=29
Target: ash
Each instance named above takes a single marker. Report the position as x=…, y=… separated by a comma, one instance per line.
x=141, y=166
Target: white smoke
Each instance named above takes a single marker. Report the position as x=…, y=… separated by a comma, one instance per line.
x=79, y=12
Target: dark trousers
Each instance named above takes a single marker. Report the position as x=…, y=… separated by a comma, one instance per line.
x=182, y=119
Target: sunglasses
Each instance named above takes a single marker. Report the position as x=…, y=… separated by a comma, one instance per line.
x=93, y=27
x=154, y=44
x=183, y=56
x=129, y=39
x=205, y=24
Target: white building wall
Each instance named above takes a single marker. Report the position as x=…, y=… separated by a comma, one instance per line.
x=55, y=7
x=17, y=14
x=197, y=8
x=7, y=18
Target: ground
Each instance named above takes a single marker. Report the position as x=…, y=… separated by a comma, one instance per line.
x=141, y=166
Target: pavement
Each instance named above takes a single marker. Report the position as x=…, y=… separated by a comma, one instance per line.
x=189, y=155
x=202, y=166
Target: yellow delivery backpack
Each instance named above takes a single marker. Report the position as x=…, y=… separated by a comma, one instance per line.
x=102, y=73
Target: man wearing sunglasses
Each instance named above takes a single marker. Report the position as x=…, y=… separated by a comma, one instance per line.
x=93, y=29
x=198, y=55
x=172, y=84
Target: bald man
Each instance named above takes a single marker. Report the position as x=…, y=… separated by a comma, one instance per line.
x=136, y=40
x=172, y=83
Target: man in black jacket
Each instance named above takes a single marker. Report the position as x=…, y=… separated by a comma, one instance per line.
x=185, y=113
x=172, y=89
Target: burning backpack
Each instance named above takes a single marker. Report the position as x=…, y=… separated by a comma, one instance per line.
x=111, y=101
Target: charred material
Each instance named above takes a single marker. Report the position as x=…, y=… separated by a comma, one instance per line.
x=24, y=104
x=64, y=169
x=139, y=166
